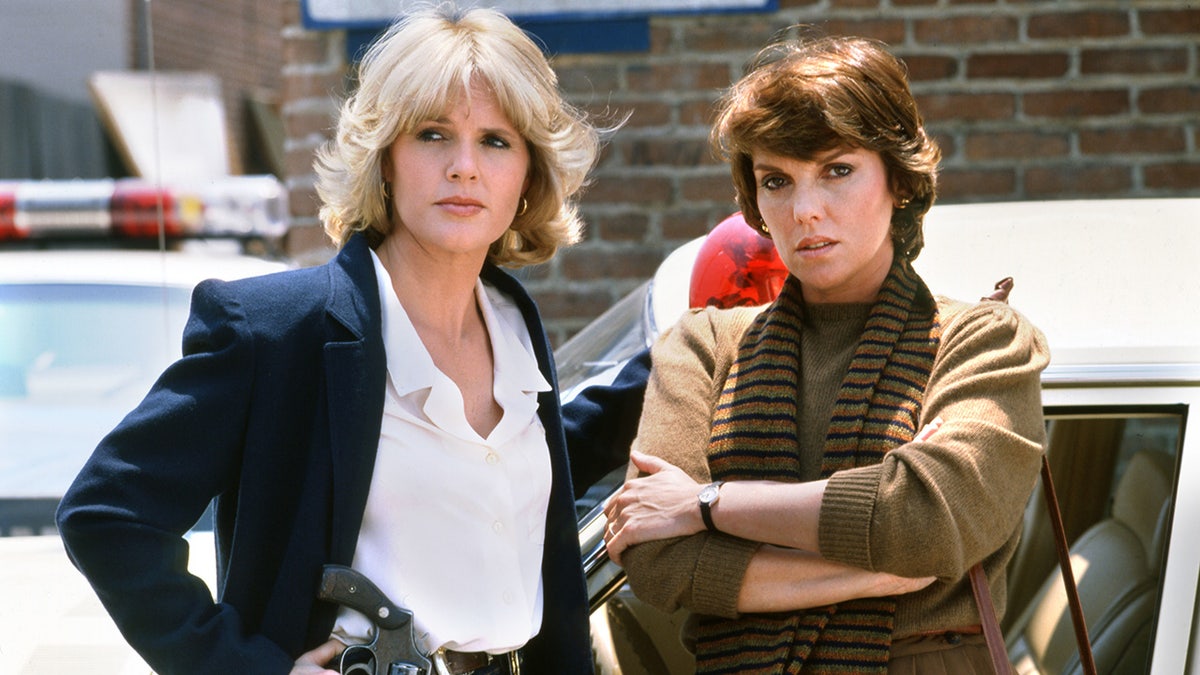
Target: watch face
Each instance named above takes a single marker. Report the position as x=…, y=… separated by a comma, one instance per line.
x=709, y=494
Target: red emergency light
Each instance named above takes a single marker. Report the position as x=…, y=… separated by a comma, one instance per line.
x=736, y=266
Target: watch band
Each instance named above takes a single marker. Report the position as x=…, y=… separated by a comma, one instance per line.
x=709, y=496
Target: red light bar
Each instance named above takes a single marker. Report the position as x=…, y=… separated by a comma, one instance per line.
x=8, y=212
x=227, y=206
x=136, y=209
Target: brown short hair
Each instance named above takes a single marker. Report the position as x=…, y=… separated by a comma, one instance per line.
x=801, y=98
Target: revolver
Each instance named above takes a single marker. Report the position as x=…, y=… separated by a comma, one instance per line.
x=393, y=651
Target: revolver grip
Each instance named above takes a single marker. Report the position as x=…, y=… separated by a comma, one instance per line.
x=351, y=588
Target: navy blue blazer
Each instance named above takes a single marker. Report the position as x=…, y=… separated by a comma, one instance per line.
x=275, y=410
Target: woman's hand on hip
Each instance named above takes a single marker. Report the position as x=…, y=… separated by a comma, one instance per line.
x=313, y=663
x=660, y=505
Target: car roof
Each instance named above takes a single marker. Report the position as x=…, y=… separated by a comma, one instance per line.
x=1111, y=283
x=183, y=269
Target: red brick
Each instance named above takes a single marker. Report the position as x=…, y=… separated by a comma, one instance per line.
x=890, y=31
x=1170, y=21
x=1017, y=144
x=942, y=107
x=586, y=79
x=303, y=202
x=853, y=4
x=625, y=226
x=572, y=304
x=698, y=111
x=946, y=141
x=913, y=3
x=730, y=33
x=646, y=113
x=678, y=76
x=1182, y=176
x=706, y=188
x=662, y=37
x=623, y=188
x=1167, y=100
x=689, y=223
x=955, y=183
x=305, y=123
x=662, y=150
x=308, y=243
x=305, y=47
x=298, y=161
x=299, y=85
x=925, y=67
x=1072, y=104
x=1020, y=66
x=1091, y=24
x=585, y=262
x=792, y=4
x=1064, y=180
x=1133, y=141
x=1146, y=60
x=960, y=30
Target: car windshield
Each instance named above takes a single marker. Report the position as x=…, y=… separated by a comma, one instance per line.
x=74, y=359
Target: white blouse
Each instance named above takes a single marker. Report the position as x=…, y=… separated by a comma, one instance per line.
x=455, y=523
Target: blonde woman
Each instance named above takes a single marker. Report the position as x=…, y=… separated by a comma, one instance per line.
x=395, y=410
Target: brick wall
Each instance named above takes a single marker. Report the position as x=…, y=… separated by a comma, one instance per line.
x=1030, y=100
x=238, y=40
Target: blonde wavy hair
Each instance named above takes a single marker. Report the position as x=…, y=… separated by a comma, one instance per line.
x=412, y=74
x=802, y=98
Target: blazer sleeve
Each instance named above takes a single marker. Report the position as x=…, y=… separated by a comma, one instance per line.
x=123, y=519
x=601, y=422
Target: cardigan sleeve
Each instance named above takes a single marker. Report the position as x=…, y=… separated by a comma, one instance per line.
x=123, y=518
x=702, y=572
x=968, y=484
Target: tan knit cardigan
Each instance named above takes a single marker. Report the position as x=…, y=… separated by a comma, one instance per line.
x=929, y=509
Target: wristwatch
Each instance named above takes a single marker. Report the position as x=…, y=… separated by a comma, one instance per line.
x=709, y=494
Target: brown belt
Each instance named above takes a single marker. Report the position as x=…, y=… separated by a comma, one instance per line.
x=460, y=663
x=974, y=629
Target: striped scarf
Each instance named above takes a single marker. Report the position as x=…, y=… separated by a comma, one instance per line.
x=754, y=437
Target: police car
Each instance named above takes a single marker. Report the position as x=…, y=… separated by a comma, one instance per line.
x=1112, y=284
x=95, y=284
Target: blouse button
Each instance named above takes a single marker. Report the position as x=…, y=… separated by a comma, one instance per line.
x=492, y=458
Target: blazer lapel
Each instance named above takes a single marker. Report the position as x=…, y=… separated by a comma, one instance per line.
x=355, y=371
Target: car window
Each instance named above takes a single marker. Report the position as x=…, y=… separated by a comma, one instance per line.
x=125, y=340
x=74, y=360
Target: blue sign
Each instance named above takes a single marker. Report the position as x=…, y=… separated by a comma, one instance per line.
x=561, y=26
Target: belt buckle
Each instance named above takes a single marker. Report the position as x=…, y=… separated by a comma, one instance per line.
x=442, y=667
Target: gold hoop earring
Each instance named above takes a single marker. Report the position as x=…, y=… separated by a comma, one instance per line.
x=524, y=207
x=385, y=191
x=904, y=203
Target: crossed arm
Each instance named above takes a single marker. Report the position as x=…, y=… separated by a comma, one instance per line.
x=785, y=572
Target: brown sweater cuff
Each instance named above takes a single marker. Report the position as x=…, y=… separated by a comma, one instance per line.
x=844, y=529
x=719, y=574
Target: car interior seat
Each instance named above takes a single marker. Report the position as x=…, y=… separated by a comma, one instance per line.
x=1117, y=564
